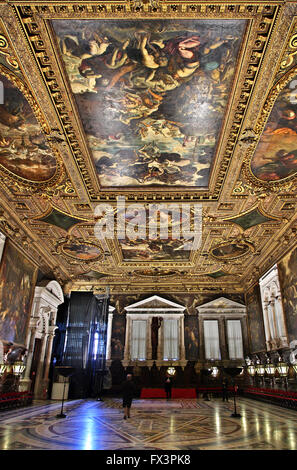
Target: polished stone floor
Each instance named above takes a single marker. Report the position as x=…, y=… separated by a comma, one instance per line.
x=154, y=425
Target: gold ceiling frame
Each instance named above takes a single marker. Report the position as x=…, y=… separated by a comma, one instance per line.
x=34, y=19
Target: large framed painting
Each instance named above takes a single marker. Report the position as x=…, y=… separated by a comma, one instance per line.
x=287, y=270
x=151, y=94
x=275, y=158
x=165, y=242
x=24, y=151
x=255, y=319
x=191, y=337
x=118, y=336
x=17, y=283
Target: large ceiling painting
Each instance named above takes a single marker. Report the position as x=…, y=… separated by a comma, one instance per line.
x=276, y=155
x=24, y=151
x=155, y=250
x=151, y=94
x=161, y=242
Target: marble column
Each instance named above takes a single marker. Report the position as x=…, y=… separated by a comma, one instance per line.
x=223, y=341
x=280, y=314
x=48, y=356
x=275, y=326
x=25, y=382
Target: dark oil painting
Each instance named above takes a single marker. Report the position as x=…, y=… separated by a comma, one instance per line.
x=118, y=336
x=82, y=251
x=154, y=250
x=23, y=148
x=287, y=269
x=255, y=319
x=230, y=250
x=17, y=282
x=165, y=240
x=151, y=94
x=275, y=157
x=191, y=337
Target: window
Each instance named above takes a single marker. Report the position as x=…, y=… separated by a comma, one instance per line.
x=171, y=342
x=234, y=339
x=98, y=346
x=138, y=342
x=211, y=339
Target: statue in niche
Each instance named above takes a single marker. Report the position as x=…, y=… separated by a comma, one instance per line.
x=156, y=323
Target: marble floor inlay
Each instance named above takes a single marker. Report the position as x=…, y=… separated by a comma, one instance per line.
x=154, y=425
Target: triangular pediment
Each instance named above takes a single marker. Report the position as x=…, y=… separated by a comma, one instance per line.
x=221, y=303
x=155, y=303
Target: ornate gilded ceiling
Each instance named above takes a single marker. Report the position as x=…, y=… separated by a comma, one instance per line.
x=157, y=105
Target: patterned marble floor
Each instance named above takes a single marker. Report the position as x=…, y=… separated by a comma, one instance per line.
x=154, y=425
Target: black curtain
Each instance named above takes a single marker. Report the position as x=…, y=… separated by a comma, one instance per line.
x=87, y=324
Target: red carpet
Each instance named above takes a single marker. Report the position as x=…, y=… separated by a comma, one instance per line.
x=160, y=393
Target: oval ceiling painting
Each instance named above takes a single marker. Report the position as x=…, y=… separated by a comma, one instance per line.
x=82, y=251
x=275, y=157
x=230, y=250
x=23, y=148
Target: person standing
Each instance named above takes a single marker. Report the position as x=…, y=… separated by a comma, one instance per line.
x=168, y=387
x=128, y=390
x=225, y=390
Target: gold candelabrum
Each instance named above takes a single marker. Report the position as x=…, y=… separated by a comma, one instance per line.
x=15, y=370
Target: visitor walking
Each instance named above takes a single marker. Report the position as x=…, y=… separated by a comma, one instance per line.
x=168, y=387
x=225, y=390
x=128, y=390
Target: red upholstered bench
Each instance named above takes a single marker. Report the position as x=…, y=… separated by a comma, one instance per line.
x=14, y=399
x=160, y=393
